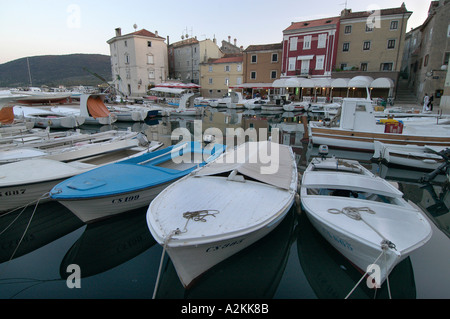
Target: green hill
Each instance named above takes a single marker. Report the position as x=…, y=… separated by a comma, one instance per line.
x=55, y=70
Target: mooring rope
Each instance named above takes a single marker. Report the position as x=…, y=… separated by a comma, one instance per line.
x=198, y=215
x=355, y=213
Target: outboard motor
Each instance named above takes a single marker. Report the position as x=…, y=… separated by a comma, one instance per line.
x=323, y=151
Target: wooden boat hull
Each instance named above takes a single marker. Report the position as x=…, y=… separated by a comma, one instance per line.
x=364, y=141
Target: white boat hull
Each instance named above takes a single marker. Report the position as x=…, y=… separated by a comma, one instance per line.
x=361, y=255
x=20, y=195
x=89, y=210
x=192, y=261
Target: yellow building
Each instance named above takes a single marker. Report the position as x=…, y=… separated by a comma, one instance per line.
x=218, y=75
x=371, y=43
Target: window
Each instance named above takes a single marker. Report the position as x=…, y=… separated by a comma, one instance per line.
x=238, y=80
x=363, y=66
x=307, y=42
x=127, y=59
x=253, y=75
x=254, y=58
x=386, y=66
x=273, y=74
x=343, y=66
x=274, y=57
x=394, y=25
x=346, y=47
x=293, y=44
x=227, y=68
x=151, y=74
x=366, y=45
x=150, y=59
x=446, y=58
x=291, y=66
x=149, y=44
x=322, y=41
x=348, y=29
x=210, y=69
x=126, y=43
x=239, y=67
x=210, y=81
x=425, y=61
x=320, y=59
x=369, y=27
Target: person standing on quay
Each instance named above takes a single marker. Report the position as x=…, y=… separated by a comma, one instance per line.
x=425, y=102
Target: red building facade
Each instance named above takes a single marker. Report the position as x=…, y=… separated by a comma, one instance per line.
x=310, y=48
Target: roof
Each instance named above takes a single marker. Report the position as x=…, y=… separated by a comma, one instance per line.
x=312, y=23
x=384, y=12
x=184, y=42
x=145, y=33
x=265, y=47
x=228, y=59
x=142, y=33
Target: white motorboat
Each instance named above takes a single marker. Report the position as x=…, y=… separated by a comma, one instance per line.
x=355, y=127
x=46, y=118
x=254, y=104
x=92, y=108
x=413, y=156
x=362, y=215
x=290, y=106
x=218, y=210
x=25, y=182
x=128, y=113
x=66, y=147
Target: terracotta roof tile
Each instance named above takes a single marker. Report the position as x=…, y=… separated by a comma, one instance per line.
x=145, y=33
x=265, y=47
x=312, y=23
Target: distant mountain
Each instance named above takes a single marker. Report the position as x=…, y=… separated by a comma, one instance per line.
x=55, y=70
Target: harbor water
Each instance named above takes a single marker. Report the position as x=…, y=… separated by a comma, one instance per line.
x=118, y=258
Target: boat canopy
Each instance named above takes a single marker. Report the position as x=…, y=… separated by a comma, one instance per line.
x=96, y=107
x=168, y=90
x=253, y=159
x=6, y=115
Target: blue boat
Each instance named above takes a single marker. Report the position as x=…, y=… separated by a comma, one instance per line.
x=131, y=183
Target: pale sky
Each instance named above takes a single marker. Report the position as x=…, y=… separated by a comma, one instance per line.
x=54, y=27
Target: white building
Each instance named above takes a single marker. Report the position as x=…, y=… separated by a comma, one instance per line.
x=138, y=61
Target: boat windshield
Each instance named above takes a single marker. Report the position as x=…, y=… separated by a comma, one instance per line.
x=351, y=194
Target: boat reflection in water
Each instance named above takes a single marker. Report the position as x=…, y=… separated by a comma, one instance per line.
x=49, y=222
x=332, y=276
x=254, y=272
x=109, y=243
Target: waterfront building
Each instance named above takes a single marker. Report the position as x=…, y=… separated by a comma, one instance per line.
x=371, y=43
x=186, y=55
x=219, y=75
x=309, y=48
x=138, y=61
x=431, y=58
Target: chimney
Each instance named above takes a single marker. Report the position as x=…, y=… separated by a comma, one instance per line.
x=156, y=33
x=229, y=39
x=235, y=41
x=345, y=12
x=118, y=32
x=214, y=39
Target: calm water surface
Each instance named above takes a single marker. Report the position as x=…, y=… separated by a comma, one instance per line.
x=119, y=258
